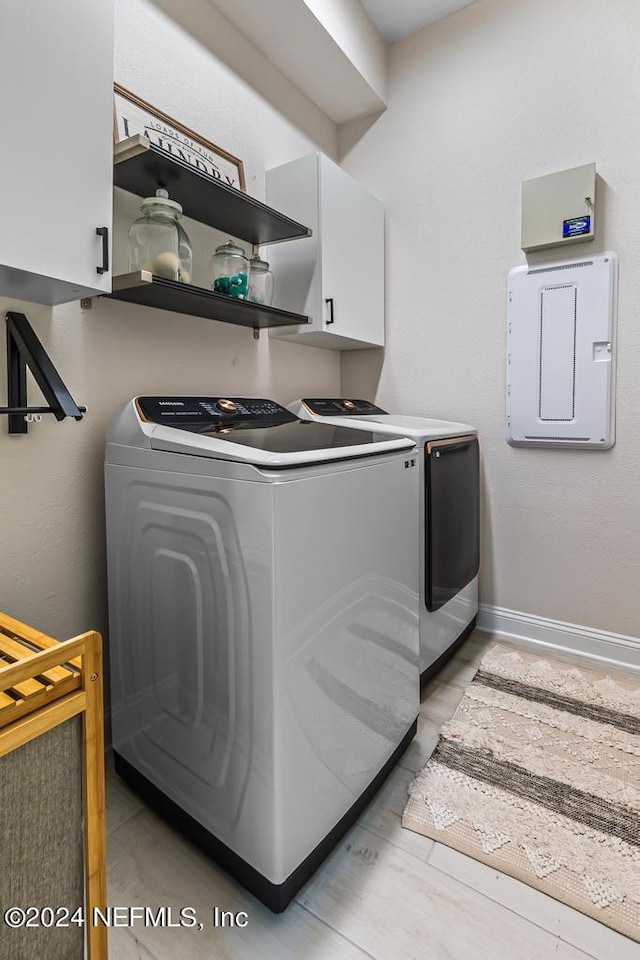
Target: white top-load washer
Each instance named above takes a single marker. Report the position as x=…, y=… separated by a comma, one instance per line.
x=448, y=517
x=263, y=607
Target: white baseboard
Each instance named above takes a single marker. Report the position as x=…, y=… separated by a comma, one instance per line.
x=570, y=637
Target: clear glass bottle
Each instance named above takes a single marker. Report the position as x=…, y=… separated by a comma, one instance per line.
x=158, y=242
x=230, y=270
x=185, y=255
x=260, y=281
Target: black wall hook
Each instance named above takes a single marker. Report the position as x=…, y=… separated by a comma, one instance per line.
x=25, y=350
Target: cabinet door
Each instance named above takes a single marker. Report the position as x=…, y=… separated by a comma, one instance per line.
x=56, y=83
x=352, y=252
x=341, y=266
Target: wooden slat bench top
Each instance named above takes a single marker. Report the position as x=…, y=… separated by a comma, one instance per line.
x=18, y=642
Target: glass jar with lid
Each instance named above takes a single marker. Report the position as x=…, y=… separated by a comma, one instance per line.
x=230, y=270
x=158, y=242
x=260, y=281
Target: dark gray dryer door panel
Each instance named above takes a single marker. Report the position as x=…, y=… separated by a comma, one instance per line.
x=452, y=518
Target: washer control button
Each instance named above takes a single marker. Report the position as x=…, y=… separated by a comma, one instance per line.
x=227, y=406
x=348, y=404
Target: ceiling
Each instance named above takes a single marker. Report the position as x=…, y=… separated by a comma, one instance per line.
x=401, y=17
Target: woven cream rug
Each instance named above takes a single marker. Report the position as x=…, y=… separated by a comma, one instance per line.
x=538, y=775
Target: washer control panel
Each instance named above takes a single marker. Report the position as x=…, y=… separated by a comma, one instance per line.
x=174, y=411
x=341, y=407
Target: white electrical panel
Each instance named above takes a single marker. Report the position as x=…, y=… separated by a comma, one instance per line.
x=561, y=354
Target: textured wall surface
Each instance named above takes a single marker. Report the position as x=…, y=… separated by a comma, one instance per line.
x=500, y=92
x=52, y=569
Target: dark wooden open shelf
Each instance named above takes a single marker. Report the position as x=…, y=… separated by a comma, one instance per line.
x=140, y=167
x=145, y=288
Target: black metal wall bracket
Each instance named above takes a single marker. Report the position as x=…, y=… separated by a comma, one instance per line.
x=25, y=350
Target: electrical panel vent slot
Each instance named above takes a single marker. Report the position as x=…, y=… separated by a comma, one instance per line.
x=573, y=439
x=565, y=266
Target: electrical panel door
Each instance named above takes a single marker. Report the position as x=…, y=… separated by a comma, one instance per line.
x=561, y=354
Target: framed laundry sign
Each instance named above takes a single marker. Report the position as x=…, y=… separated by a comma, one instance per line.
x=132, y=115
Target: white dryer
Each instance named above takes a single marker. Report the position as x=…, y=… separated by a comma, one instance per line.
x=447, y=513
x=263, y=607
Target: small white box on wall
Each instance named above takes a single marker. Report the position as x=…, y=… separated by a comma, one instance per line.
x=561, y=354
x=559, y=208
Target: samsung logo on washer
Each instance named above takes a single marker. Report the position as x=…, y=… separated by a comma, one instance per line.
x=170, y=403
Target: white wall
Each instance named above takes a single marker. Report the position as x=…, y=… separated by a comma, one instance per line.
x=353, y=31
x=246, y=62
x=328, y=48
x=52, y=571
x=500, y=92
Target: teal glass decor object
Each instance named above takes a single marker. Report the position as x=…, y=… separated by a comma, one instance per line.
x=231, y=271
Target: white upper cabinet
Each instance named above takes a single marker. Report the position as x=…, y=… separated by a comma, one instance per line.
x=56, y=96
x=336, y=276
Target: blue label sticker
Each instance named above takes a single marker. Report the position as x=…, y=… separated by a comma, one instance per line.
x=576, y=227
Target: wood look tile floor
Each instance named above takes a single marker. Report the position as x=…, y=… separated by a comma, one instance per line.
x=384, y=893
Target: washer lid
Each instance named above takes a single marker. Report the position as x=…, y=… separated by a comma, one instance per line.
x=254, y=431
x=360, y=413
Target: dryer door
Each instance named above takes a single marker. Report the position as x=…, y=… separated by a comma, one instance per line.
x=452, y=518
